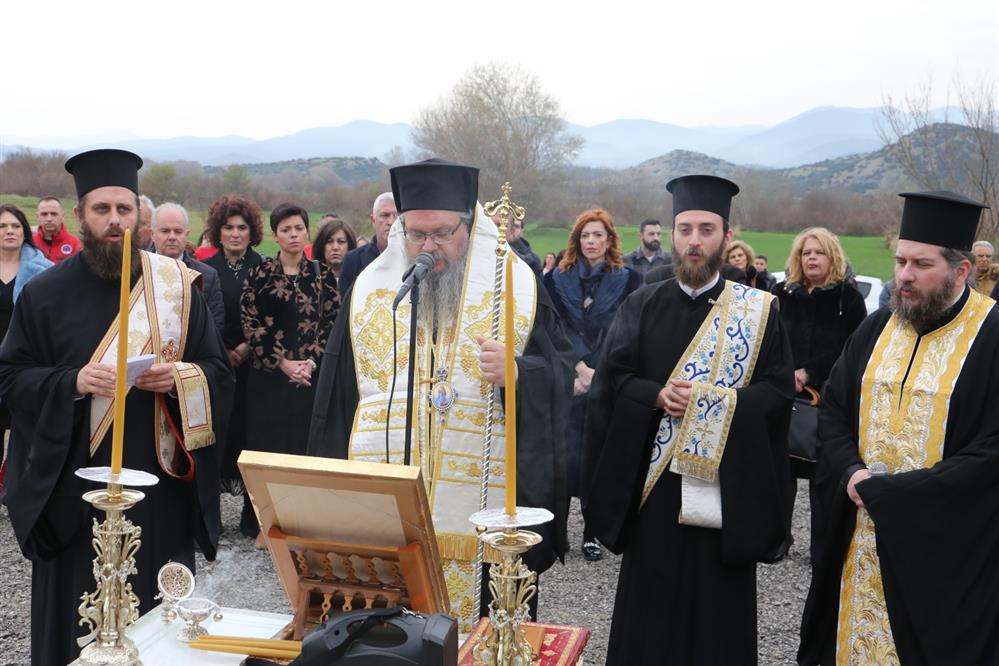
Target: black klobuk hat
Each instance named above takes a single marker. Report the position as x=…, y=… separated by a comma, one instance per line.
x=435, y=184
x=700, y=192
x=104, y=167
x=940, y=218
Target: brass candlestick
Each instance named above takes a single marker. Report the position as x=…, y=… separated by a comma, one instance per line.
x=512, y=584
x=113, y=606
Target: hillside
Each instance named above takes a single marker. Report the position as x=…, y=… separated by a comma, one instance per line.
x=348, y=169
x=861, y=173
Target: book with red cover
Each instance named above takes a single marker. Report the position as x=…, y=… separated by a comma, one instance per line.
x=553, y=644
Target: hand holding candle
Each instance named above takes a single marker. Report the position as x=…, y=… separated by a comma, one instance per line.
x=118, y=434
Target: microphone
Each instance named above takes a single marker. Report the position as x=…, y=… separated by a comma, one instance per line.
x=422, y=265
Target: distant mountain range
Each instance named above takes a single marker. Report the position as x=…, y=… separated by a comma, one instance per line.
x=861, y=173
x=823, y=133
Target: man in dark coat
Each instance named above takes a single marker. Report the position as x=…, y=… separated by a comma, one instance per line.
x=359, y=379
x=689, y=479
x=383, y=214
x=905, y=565
x=169, y=235
x=649, y=253
x=51, y=384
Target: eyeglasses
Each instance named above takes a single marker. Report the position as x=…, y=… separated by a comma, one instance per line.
x=438, y=237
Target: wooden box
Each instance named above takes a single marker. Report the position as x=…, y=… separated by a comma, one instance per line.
x=345, y=535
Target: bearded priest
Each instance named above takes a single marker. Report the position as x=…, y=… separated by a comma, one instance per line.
x=906, y=477
x=456, y=368
x=687, y=445
x=57, y=376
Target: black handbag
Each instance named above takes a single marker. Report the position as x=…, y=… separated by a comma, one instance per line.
x=802, y=436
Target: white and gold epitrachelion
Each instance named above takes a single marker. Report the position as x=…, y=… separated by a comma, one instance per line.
x=447, y=442
x=159, y=312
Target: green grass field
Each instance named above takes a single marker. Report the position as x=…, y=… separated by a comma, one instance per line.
x=867, y=254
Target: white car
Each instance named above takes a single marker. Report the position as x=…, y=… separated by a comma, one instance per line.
x=869, y=287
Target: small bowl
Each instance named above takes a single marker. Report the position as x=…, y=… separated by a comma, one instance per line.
x=193, y=611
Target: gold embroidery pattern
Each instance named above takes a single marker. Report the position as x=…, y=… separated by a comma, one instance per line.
x=902, y=426
x=374, y=338
x=169, y=351
x=479, y=322
x=459, y=576
x=476, y=418
x=379, y=416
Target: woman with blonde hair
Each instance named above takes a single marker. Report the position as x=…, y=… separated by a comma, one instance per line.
x=741, y=255
x=818, y=304
x=587, y=286
x=820, y=308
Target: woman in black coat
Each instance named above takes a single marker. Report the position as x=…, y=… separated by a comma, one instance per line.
x=820, y=308
x=234, y=226
x=587, y=287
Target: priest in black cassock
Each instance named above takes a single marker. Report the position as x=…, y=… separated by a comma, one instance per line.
x=687, y=443
x=360, y=408
x=57, y=377
x=907, y=477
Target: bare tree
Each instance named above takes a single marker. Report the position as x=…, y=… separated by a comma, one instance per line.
x=499, y=119
x=938, y=154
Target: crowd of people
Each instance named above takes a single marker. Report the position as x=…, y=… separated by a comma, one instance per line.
x=659, y=387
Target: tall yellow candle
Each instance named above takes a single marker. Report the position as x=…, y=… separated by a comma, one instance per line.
x=511, y=391
x=118, y=434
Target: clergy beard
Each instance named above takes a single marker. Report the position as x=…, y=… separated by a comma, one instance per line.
x=103, y=257
x=931, y=308
x=440, y=294
x=697, y=276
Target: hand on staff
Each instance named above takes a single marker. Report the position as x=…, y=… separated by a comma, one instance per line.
x=492, y=361
x=96, y=378
x=800, y=380
x=851, y=486
x=158, y=378
x=674, y=397
x=299, y=372
x=238, y=355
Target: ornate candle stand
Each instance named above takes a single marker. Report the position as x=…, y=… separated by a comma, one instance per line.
x=512, y=584
x=113, y=606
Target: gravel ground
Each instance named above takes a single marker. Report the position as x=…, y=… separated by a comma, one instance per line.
x=580, y=593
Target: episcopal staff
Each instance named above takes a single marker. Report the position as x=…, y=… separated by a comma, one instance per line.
x=57, y=376
x=457, y=367
x=905, y=566
x=687, y=448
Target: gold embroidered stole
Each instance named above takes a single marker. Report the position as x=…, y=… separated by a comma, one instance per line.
x=449, y=452
x=719, y=359
x=901, y=425
x=159, y=311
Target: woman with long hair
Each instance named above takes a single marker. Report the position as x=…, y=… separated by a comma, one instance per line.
x=20, y=261
x=820, y=308
x=334, y=240
x=587, y=287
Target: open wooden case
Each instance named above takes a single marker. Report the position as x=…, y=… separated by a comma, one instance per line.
x=345, y=535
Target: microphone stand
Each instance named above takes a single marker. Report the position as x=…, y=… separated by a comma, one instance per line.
x=414, y=302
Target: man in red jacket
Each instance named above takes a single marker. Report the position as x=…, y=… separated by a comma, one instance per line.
x=52, y=236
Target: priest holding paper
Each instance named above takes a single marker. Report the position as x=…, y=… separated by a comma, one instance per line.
x=457, y=366
x=687, y=445
x=58, y=374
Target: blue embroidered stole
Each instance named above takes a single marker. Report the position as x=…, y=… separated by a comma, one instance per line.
x=720, y=359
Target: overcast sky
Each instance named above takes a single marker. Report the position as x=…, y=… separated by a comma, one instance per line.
x=211, y=68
